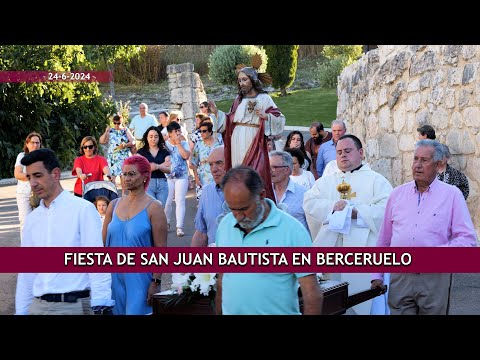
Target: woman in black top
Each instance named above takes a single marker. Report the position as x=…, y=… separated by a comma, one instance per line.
x=295, y=140
x=155, y=152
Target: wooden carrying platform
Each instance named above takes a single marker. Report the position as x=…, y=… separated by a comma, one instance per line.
x=198, y=307
x=335, y=297
x=335, y=301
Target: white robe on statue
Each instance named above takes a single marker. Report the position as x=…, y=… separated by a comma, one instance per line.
x=372, y=191
x=242, y=136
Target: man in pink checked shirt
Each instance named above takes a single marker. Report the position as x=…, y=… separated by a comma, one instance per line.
x=424, y=212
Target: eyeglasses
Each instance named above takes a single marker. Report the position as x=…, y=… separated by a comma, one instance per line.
x=203, y=131
x=202, y=107
x=275, y=167
x=116, y=122
x=88, y=147
x=129, y=174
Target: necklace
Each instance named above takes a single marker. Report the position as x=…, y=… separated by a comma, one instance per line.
x=128, y=217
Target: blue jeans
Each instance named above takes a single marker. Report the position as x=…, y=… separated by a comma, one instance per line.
x=158, y=189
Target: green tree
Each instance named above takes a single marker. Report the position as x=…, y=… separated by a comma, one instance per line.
x=62, y=112
x=338, y=57
x=350, y=52
x=105, y=56
x=282, y=65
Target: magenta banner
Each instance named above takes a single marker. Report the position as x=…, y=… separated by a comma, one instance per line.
x=55, y=76
x=224, y=260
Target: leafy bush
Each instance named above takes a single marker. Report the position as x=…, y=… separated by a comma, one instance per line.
x=350, y=52
x=62, y=112
x=339, y=56
x=151, y=64
x=123, y=109
x=329, y=71
x=224, y=59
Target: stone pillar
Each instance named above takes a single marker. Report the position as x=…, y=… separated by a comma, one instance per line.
x=186, y=92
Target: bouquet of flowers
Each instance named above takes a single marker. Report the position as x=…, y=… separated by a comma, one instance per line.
x=187, y=287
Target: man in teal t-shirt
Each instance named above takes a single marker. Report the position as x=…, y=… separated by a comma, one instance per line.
x=255, y=221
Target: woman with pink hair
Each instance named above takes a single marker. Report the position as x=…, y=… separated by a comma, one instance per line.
x=135, y=220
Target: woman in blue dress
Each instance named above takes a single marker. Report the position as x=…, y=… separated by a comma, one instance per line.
x=135, y=220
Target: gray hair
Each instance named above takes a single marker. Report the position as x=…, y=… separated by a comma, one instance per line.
x=446, y=152
x=220, y=149
x=287, y=159
x=339, y=122
x=437, y=147
x=144, y=104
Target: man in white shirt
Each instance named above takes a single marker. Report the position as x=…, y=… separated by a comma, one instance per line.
x=61, y=220
x=140, y=123
x=288, y=194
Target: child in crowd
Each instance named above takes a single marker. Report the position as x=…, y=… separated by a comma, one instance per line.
x=101, y=203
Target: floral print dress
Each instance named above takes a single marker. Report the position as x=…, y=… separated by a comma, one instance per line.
x=201, y=151
x=115, y=155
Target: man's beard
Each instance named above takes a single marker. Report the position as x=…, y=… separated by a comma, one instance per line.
x=252, y=224
x=245, y=90
x=317, y=140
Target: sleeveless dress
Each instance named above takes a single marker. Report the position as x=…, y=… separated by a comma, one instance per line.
x=130, y=290
x=116, y=155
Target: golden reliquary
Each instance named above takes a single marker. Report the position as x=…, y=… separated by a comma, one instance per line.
x=344, y=188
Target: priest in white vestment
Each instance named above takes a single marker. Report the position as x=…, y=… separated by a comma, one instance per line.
x=365, y=205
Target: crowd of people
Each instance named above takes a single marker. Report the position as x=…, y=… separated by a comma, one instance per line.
x=250, y=193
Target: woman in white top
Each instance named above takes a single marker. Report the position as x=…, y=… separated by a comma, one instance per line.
x=177, y=115
x=299, y=175
x=32, y=142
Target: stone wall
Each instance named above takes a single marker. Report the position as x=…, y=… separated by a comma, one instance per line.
x=186, y=92
x=390, y=91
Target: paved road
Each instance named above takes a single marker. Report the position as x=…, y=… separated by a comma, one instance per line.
x=10, y=236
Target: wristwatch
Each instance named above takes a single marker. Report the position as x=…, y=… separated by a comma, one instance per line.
x=156, y=281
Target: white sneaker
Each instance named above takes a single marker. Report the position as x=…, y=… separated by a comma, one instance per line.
x=180, y=232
